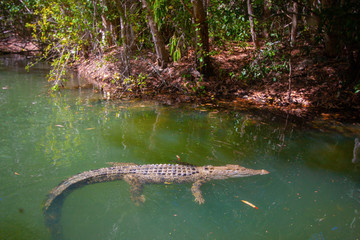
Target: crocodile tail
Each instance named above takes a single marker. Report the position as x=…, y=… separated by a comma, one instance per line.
x=53, y=205
x=66, y=187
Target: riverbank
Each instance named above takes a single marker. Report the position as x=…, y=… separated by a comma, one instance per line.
x=15, y=44
x=313, y=88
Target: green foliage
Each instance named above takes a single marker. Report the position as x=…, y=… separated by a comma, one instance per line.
x=55, y=88
x=175, y=24
x=69, y=29
x=136, y=84
x=115, y=79
x=228, y=21
x=194, y=84
x=357, y=88
x=267, y=62
x=14, y=15
x=176, y=44
x=62, y=27
x=160, y=8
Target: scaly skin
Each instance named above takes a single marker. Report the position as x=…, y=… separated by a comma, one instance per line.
x=139, y=175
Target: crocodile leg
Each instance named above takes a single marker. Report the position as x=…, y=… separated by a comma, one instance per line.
x=196, y=191
x=136, y=189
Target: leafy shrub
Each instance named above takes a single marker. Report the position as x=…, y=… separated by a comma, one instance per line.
x=266, y=62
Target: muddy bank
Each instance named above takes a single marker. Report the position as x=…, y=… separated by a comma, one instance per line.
x=314, y=87
x=15, y=44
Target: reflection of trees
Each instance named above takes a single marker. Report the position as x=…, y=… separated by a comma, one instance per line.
x=321, y=150
x=67, y=131
x=142, y=133
x=158, y=134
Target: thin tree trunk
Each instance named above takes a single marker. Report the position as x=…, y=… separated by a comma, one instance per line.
x=294, y=24
x=252, y=25
x=125, y=37
x=267, y=5
x=290, y=77
x=202, y=37
x=161, y=52
x=331, y=39
x=356, y=151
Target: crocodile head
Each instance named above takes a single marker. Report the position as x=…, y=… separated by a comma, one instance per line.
x=232, y=171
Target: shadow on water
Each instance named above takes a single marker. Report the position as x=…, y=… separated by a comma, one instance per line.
x=18, y=63
x=52, y=219
x=331, y=152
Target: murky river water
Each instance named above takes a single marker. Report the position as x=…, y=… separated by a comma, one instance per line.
x=312, y=192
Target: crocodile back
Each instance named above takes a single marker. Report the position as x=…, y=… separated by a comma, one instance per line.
x=160, y=173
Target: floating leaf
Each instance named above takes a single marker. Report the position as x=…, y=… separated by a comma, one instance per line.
x=250, y=204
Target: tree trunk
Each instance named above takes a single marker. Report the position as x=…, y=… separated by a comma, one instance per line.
x=202, y=37
x=267, y=5
x=331, y=39
x=161, y=52
x=294, y=24
x=126, y=38
x=252, y=25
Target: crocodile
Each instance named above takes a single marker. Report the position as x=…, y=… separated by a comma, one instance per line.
x=139, y=175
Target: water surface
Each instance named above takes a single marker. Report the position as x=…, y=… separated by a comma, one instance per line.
x=312, y=191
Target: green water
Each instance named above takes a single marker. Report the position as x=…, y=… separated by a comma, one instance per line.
x=312, y=192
